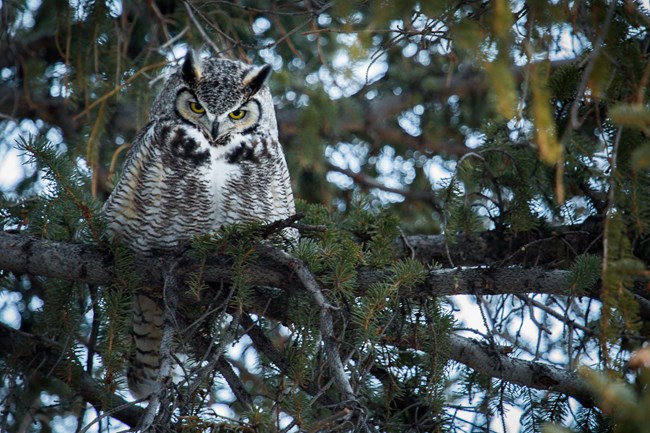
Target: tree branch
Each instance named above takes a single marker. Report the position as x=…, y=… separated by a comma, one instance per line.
x=85, y=263
x=486, y=360
x=22, y=254
x=548, y=246
x=368, y=182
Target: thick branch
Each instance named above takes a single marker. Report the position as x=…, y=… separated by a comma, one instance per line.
x=490, y=362
x=85, y=263
x=548, y=246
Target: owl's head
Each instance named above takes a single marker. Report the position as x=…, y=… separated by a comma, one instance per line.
x=223, y=98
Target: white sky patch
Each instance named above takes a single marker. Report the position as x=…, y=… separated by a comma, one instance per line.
x=474, y=139
x=512, y=420
x=409, y=121
x=114, y=8
x=59, y=88
x=80, y=8
x=10, y=313
x=272, y=58
x=437, y=169
x=261, y=25
x=348, y=75
x=177, y=52
x=341, y=180
x=371, y=70
x=348, y=156
x=174, y=54
x=568, y=45
x=11, y=168
x=14, y=164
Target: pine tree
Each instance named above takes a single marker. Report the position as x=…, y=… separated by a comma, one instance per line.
x=474, y=218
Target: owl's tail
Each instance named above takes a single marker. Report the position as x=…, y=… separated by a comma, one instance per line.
x=144, y=365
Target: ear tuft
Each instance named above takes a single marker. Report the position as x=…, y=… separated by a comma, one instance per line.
x=256, y=78
x=191, y=72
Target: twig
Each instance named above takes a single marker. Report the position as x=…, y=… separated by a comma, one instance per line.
x=214, y=356
x=291, y=222
x=406, y=242
x=326, y=424
x=108, y=413
x=214, y=47
x=174, y=39
x=278, y=225
x=236, y=385
x=263, y=343
x=118, y=88
x=550, y=311
x=363, y=180
x=575, y=123
x=326, y=328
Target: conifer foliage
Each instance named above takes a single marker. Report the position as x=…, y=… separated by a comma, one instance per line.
x=474, y=218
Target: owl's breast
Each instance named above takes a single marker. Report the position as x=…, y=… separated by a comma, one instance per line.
x=166, y=194
x=257, y=187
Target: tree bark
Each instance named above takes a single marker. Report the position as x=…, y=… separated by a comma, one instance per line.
x=86, y=263
x=490, y=362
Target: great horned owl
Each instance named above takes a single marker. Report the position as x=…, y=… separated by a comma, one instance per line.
x=209, y=156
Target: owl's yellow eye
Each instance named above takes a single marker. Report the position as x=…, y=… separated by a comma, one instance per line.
x=237, y=114
x=196, y=107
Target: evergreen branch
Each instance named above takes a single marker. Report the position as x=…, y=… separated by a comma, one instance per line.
x=488, y=361
x=22, y=254
x=266, y=346
x=85, y=263
x=35, y=354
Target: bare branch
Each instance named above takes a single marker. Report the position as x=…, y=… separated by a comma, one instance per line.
x=368, y=182
x=490, y=362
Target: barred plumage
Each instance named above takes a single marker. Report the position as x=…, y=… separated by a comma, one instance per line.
x=209, y=156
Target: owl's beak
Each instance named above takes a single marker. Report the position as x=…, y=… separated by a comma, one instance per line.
x=215, y=130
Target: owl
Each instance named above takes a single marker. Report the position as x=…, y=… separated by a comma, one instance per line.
x=209, y=156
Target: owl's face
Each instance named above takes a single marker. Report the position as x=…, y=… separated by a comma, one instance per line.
x=222, y=98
